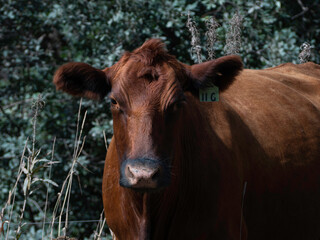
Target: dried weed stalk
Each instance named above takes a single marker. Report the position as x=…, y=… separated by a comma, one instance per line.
x=31, y=164
x=305, y=53
x=67, y=184
x=233, y=36
x=28, y=172
x=100, y=226
x=12, y=196
x=48, y=188
x=211, y=35
x=195, y=38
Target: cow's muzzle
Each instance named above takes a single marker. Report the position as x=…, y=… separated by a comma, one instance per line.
x=144, y=174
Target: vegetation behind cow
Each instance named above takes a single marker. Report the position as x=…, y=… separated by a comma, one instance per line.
x=39, y=35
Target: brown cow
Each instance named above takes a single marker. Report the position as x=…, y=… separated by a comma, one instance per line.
x=177, y=168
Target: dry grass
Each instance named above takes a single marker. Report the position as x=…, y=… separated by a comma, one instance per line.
x=30, y=169
x=65, y=192
x=11, y=198
x=28, y=172
x=233, y=36
x=100, y=226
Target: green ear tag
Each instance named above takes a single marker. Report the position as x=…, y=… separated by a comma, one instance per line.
x=209, y=94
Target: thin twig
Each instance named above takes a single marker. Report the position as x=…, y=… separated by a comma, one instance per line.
x=48, y=186
x=105, y=140
x=50, y=222
x=304, y=10
x=100, y=226
x=17, y=103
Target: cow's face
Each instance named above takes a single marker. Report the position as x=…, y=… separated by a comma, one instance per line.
x=148, y=92
x=146, y=104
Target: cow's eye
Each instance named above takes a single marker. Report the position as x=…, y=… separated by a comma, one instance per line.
x=174, y=107
x=113, y=101
x=177, y=105
x=115, y=105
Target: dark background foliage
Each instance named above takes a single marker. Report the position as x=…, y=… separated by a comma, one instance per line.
x=39, y=35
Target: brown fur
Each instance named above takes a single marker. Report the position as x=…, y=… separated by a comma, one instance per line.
x=264, y=131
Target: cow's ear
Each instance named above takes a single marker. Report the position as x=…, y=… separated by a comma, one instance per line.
x=221, y=72
x=81, y=79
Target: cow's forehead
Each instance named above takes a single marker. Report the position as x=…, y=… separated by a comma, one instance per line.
x=136, y=82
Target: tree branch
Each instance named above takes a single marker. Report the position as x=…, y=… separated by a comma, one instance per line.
x=304, y=10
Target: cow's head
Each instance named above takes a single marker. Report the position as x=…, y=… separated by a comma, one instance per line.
x=149, y=91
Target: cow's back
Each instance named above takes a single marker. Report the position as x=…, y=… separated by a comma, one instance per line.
x=270, y=120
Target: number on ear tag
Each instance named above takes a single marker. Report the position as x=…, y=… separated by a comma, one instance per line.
x=209, y=94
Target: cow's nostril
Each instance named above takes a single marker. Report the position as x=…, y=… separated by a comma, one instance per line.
x=156, y=174
x=129, y=172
